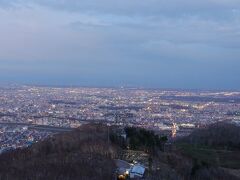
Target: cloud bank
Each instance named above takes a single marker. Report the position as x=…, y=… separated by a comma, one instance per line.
x=152, y=43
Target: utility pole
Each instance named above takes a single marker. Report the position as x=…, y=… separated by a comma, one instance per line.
x=108, y=125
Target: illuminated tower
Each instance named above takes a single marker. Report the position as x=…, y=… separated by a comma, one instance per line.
x=174, y=130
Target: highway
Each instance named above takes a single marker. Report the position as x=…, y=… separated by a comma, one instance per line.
x=40, y=127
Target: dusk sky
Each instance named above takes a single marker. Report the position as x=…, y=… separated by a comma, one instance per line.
x=142, y=43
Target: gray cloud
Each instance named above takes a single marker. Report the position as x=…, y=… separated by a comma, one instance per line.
x=133, y=41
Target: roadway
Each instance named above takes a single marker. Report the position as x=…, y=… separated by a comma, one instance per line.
x=40, y=127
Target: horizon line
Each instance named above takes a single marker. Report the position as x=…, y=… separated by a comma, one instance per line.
x=117, y=87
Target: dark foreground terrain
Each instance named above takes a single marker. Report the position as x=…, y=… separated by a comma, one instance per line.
x=88, y=154
x=81, y=154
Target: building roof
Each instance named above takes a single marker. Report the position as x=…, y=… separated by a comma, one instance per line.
x=138, y=170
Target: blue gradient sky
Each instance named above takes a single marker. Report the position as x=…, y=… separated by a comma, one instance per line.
x=147, y=43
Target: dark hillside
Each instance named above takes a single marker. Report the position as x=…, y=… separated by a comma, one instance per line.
x=213, y=149
x=219, y=135
x=81, y=154
x=88, y=154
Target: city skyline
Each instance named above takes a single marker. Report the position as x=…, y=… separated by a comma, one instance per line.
x=152, y=44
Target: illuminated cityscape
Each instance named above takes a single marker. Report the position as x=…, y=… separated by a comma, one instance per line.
x=29, y=114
